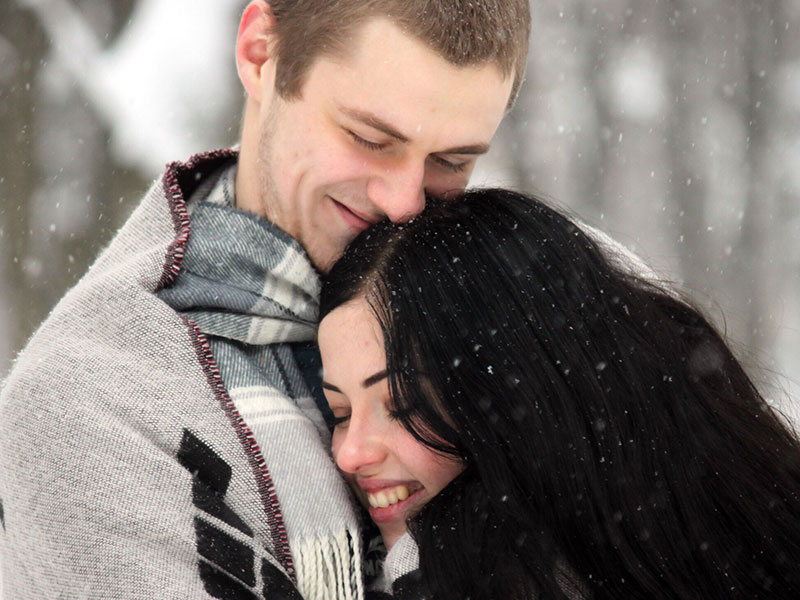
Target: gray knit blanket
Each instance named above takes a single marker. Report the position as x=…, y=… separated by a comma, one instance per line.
x=157, y=439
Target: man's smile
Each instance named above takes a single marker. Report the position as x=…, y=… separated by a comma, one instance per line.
x=355, y=220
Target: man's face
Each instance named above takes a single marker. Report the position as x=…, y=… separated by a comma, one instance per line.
x=371, y=133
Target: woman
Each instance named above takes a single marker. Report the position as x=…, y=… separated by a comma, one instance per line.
x=552, y=425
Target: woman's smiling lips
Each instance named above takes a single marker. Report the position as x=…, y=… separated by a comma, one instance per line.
x=356, y=221
x=389, y=500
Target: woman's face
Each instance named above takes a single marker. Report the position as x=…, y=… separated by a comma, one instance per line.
x=391, y=472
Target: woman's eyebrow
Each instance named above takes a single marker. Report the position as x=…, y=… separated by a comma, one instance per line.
x=330, y=386
x=373, y=379
x=369, y=381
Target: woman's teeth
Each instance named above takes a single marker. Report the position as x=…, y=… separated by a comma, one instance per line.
x=387, y=497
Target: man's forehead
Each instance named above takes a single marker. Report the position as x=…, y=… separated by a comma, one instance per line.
x=380, y=36
x=390, y=67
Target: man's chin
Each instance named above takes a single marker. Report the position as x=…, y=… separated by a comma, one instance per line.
x=323, y=259
x=323, y=265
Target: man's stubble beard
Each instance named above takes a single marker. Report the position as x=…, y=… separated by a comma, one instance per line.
x=280, y=211
x=271, y=204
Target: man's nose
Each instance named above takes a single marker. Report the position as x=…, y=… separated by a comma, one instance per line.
x=359, y=448
x=399, y=191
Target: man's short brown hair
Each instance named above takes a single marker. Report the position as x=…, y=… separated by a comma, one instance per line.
x=463, y=32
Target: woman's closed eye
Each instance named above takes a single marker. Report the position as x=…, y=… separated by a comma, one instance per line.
x=394, y=412
x=340, y=416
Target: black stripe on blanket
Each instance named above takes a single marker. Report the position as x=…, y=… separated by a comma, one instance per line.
x=206, y=499
x=223, y=586
x=203, y=463
x=276, y=584
x=231, y=563
x=224, y=551
x=210, y=479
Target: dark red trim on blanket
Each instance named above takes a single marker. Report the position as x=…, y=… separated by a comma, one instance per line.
x=177, y=188
x=179, y=181
x=266, y=488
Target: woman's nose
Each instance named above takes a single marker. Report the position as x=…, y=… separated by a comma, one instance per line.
x=358, y=447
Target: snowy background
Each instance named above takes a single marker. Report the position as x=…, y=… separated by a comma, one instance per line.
x=673, y=125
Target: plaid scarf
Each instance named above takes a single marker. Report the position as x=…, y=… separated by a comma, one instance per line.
x=143, y=458
x=252, y=291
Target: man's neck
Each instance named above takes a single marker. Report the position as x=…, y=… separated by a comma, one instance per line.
x=247, y=177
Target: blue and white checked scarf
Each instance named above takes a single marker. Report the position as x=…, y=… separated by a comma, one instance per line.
x=252, y=291
x=141, y=458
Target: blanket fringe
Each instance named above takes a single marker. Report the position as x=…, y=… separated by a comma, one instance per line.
x=329, y=569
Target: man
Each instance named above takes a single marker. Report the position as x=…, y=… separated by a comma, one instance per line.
x=160, y=437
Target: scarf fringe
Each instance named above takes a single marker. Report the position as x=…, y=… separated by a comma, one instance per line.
x=329, y=569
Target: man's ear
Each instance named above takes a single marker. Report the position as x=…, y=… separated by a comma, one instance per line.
x=253, y=47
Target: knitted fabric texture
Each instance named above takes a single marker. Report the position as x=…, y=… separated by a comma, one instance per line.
x=250, y=288
x=165, y=445
x=131, y=468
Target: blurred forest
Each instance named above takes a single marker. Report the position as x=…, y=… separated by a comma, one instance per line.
x=674, y=125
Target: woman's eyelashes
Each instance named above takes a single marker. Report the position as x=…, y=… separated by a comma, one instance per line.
x=379, y=146
x=395, y=412
x=341, y=415
x=340, y=420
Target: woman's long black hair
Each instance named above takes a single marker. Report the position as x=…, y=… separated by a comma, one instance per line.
x=614, y=446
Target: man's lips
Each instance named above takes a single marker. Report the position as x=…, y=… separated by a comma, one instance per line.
x=355, y=220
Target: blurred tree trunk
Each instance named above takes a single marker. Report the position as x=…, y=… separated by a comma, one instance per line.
x=590, y=177
x=690, y=98
x=24, y=50
x=723, y=208
x=62, y=193
x=560, y=131
x=788, y=211
x=752, y=250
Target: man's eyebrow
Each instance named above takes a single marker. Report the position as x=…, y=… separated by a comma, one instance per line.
x=369, y=381
x=474, y=149
x=371, y=120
